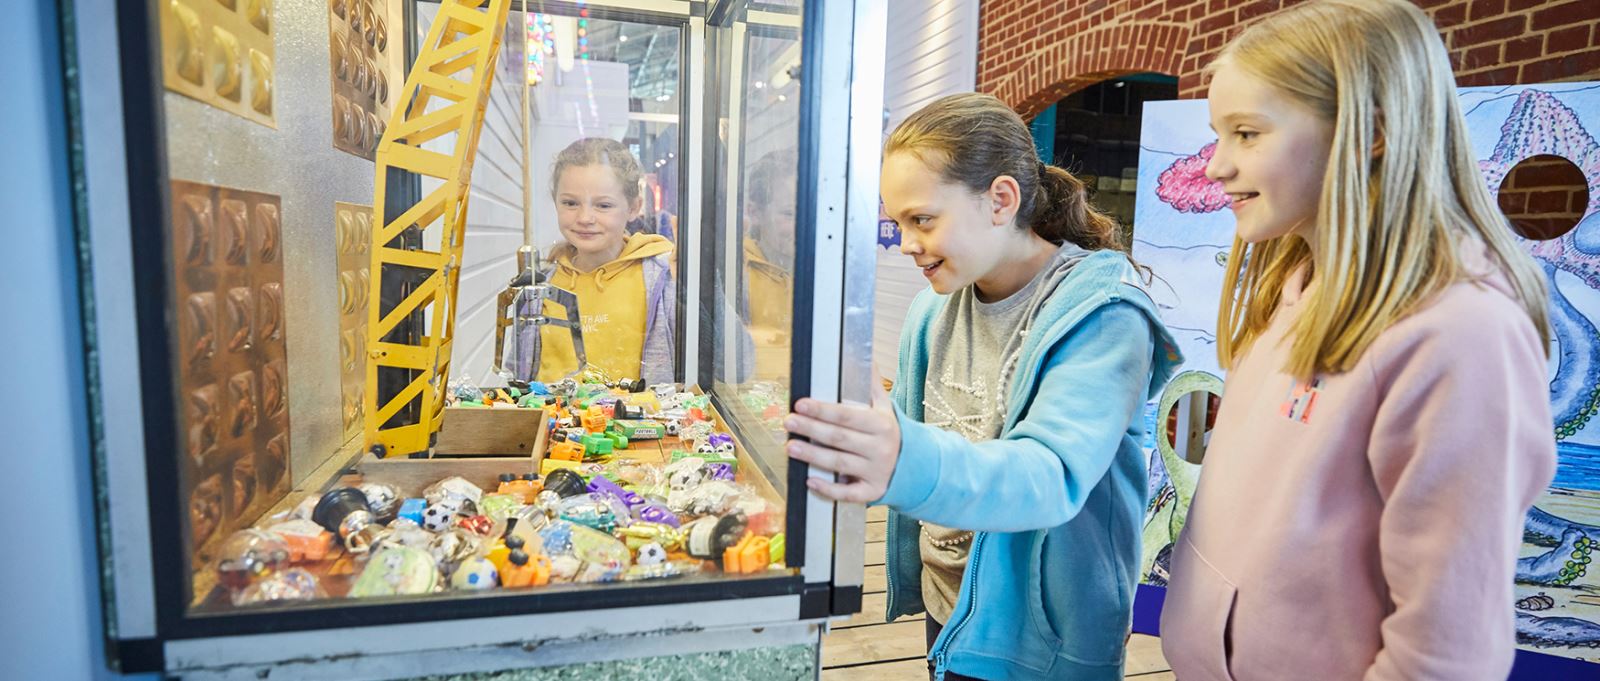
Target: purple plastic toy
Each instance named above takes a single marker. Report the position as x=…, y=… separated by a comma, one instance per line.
x=718, y=471
x=656, y=513
x=603, y=485
x=719, y=439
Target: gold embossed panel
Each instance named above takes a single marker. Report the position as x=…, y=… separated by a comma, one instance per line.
x=352, y=236
x=220, y=52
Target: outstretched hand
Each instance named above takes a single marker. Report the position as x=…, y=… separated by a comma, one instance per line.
x=860, y=443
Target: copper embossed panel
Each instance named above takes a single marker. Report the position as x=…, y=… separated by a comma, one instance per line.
x=231, y=362
x=363, y=73
x=220, y=52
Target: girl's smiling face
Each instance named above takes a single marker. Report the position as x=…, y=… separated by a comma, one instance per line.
x=1271, y=155
x=592, y=211
x=947, y=229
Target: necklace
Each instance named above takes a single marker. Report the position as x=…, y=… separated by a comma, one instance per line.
x=977, y=426
x=959, y=538
x=981, y=424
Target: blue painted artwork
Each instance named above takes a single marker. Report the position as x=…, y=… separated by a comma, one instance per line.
x=1184, y=234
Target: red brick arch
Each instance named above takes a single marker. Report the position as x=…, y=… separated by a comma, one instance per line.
x=1081, y=59
x=1033, y=52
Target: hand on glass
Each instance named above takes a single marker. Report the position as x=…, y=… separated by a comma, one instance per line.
x=859, y=443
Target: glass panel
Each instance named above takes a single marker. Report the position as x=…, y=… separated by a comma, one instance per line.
x=547, y=471
x=604, y=127
x=756, y=178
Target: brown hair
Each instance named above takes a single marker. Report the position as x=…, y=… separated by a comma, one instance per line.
x=601, y=151
x=974, y=138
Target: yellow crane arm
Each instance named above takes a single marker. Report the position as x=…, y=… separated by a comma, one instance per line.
x=445, y=93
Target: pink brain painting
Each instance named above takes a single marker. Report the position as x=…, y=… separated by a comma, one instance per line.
x=1185, y=187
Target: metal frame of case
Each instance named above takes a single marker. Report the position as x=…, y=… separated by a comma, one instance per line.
x=124, y=174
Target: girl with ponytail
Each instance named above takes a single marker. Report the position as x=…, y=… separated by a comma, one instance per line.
x=1009, y=452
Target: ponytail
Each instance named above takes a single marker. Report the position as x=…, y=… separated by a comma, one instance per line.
x=1061, y=213
x=973, y=139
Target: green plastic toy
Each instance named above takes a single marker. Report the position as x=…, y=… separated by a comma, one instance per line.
x=597, y=444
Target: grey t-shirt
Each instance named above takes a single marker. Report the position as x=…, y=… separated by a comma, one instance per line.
x=964, y=393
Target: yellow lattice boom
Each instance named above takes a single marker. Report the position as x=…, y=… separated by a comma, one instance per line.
x=445, y=93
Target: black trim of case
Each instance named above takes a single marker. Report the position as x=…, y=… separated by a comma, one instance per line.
x=681, y=292
x=815, y=599
x=147, y=177
x=140, y=655
x=846, y=600
x=805, y=252
x=712, y=163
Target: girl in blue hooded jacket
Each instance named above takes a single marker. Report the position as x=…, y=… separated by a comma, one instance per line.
x=1009, y=452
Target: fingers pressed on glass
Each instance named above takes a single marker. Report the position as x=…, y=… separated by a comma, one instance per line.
x=849, y=492
x=827, y=458
x=852, y=416
x=830, y=434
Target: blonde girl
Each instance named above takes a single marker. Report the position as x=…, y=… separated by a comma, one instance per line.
x=1386, y=423
x=624, y=282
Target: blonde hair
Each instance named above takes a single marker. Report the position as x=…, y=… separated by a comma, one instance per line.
x=1388, y=224
x=971, y=139
x=601, y=151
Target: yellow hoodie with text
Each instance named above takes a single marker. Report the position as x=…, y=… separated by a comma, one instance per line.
x=613, y=304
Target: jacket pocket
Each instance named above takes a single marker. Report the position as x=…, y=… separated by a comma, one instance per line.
x=1036, y=595
x=1196, y=618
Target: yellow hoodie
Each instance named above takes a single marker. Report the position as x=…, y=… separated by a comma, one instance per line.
x=771, y=300
x=612, y=302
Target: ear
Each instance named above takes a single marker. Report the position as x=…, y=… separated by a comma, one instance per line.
x=1005, y=198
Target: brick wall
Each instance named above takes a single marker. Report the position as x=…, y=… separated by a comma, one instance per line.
x=1033, y=52
x=1544, y=196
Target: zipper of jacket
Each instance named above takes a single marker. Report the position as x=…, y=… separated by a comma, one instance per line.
x=890, y=536
x=889, y=564
x=942, y=655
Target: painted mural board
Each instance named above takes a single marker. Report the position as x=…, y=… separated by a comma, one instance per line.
x=1185, y=232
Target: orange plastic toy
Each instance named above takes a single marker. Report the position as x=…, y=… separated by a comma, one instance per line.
x=524, y=570
x=527, y=490
x=751, y=554
x=566, y=451
x=308, y=547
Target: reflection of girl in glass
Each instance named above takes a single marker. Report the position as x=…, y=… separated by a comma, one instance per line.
x=624, y=283
x=769, y=207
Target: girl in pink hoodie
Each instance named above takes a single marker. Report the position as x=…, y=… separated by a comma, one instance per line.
x=1386, y=421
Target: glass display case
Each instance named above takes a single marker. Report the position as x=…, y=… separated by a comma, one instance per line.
x=457, y=335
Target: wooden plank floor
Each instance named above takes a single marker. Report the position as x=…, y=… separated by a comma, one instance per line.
x=865, y=647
